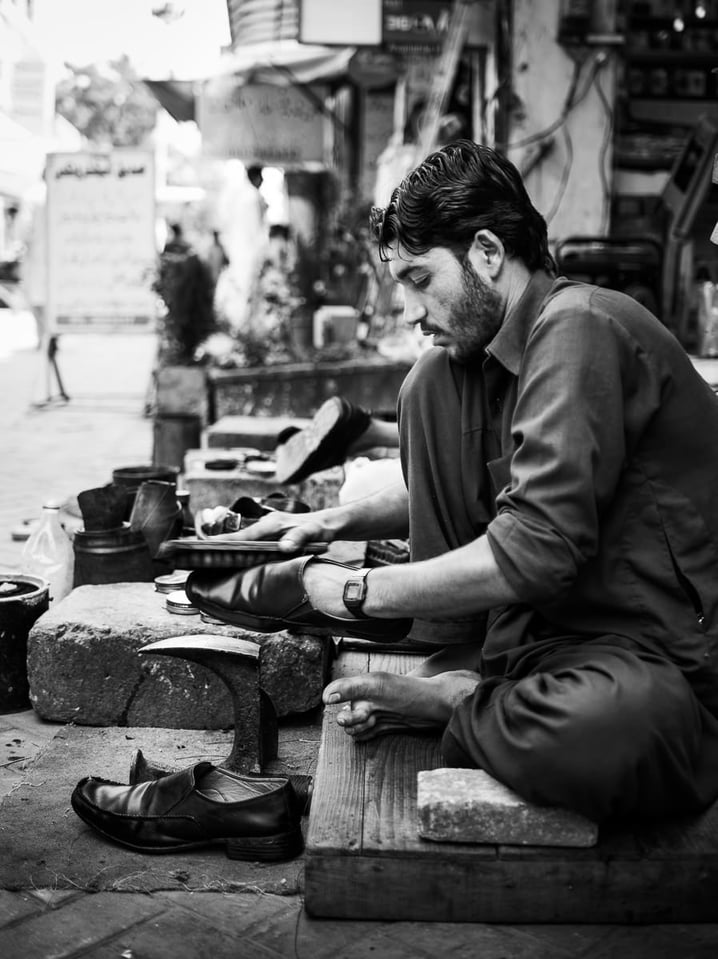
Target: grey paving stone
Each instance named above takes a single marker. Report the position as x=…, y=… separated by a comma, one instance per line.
x=468, y=805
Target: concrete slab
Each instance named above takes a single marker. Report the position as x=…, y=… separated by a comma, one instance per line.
x=221, y=487
x=258, y=431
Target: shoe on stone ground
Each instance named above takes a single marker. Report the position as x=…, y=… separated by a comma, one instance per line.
x=143, y=771
x=255, y=818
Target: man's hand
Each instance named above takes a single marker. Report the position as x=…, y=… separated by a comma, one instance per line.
x=292, y=530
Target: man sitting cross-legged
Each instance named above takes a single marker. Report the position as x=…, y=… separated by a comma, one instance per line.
x=559, y=474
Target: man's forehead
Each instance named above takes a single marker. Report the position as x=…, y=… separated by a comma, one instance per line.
x=402, y=263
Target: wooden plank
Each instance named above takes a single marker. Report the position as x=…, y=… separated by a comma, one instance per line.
x=381, y=661
x=667, y=873
x=468, y=889
x=684, y=838
x=337, y=813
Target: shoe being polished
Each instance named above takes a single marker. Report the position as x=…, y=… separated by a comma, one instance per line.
x=272, y=597
x=253, y=818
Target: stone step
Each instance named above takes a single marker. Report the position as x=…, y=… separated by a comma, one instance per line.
x=221, y=487
x=259, y=432
x=84, y=664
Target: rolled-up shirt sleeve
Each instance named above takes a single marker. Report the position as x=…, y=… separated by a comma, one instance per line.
x=569, y=436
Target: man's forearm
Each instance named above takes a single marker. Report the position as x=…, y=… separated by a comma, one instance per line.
x=459, y=583
x=383, y=514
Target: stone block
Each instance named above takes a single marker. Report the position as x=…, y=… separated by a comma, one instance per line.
x=84, y=666
x=259, y=432
x=469, y=805
x=299, y=389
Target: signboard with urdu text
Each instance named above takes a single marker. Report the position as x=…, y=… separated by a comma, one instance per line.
x=262, y=123
x=404, y=25
x=100, y=239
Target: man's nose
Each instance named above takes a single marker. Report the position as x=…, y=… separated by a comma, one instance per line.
x=414, y=312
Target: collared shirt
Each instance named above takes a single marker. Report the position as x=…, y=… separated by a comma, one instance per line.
x=601, y=444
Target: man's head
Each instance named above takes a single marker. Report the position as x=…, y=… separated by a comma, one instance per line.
x=255, y=175
x=463, y=238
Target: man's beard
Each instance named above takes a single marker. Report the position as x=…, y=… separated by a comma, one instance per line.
x=477, y=316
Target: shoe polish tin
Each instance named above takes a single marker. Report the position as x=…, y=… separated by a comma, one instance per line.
x=171, y=582
x=178, y=603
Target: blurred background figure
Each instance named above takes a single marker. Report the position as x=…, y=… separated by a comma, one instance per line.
x=216, y=257
x=176, y=242
x=242, y=223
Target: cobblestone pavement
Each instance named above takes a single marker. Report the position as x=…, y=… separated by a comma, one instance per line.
x=58, y=450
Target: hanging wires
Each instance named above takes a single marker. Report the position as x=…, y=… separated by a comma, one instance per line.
x=605, y=144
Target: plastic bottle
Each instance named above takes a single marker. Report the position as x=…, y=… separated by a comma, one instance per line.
x=48, y=553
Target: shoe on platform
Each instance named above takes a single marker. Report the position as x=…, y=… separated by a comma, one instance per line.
x=323, y=443
x=272, y=597
x=255, y=818
x=143, y=770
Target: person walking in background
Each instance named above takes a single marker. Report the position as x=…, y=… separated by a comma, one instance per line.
x=216, y=257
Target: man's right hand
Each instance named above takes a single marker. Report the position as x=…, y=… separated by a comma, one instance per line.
x=291, y=530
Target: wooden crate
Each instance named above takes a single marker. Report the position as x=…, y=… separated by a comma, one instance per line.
x=365, y=860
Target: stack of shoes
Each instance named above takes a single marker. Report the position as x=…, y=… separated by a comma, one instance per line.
x=336, y=425
x=255, y=818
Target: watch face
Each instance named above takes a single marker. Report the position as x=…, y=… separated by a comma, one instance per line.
x=354, y=591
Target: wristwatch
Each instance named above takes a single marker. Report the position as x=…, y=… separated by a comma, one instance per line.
x=354, y=595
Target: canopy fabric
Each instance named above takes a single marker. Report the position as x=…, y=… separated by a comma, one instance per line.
x=175, y=96
x=274, y=62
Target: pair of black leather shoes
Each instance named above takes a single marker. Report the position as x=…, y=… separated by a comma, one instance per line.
x=272, y=597
x=255, y=818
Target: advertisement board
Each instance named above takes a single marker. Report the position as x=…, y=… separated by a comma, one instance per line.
x=100, y=239
x=262, y=123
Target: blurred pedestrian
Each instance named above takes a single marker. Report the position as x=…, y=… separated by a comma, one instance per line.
x=216, y=257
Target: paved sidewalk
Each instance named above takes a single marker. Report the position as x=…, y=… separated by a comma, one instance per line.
x=58, y=451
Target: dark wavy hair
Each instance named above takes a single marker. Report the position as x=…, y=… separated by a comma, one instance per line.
x=455, y=191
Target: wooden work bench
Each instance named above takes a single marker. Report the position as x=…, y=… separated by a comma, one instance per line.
x=365, y=859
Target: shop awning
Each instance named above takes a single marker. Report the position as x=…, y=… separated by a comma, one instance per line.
x=175, y=96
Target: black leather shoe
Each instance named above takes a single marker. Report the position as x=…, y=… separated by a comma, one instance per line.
x=272, y=597
x=144, y=771
x=253, y=818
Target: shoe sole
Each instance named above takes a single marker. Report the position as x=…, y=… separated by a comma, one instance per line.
x=277, y=848
x=307, y=444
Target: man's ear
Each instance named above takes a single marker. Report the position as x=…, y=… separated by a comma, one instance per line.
x=490, y=250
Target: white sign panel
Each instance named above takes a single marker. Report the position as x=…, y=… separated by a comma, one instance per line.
x=262, y=123
x=351, y=22
x=101, y=239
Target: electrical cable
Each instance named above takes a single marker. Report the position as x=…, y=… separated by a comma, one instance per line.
x=564, y=177
x=605, y=144
x=571, y=102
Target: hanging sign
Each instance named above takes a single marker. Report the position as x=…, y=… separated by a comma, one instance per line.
x=262, y=123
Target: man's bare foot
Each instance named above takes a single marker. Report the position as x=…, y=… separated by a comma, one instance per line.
x=379, y=703
x=456, y=656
